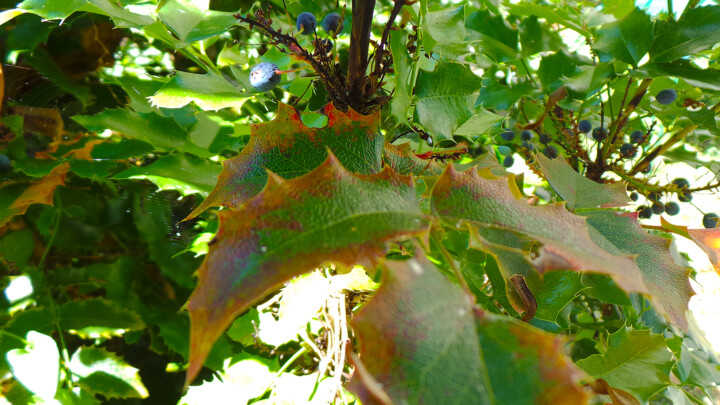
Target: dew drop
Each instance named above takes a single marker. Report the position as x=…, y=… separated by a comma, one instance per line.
x=263, y=249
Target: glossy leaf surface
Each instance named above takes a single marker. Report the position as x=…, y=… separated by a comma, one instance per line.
x=290, y=228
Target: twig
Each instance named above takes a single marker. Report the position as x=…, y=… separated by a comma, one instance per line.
x=680, y=135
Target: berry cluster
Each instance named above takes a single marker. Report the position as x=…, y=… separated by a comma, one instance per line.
x=265, y=76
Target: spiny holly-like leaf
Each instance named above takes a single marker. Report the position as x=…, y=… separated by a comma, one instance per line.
x=405, y=161
x=481, y=198
x=627, y=39
x=667, y=282
x=526, y=365
x=289, y=148
x=638, y=362
x=418, y=341
x=707, y=239
x=577, y=190
x=39, y=193
x=696, y=30
x=425, y=351
x=290, y=228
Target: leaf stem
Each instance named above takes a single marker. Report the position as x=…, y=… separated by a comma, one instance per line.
x=12, y=335
x=56, y=228
x=527, y=72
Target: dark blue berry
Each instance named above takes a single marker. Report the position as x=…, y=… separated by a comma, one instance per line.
x=584, y=126
x=544, y=139
x=666, y=96
x=681, y=182
x=655, y=197
x=264, y=76
x=551, y=152
x=658, y=208
x=306, y=23
x=636, y=136
x=527, y=145
x=645, y=213
x=711, y=220
x=331, y=23
x=526, y=135
x=628, y=150
x=508, y=135
x=634, y=196
x=599, y=133
x=4, y=162
x=504, y=150
x=508, y=161
x=672, y=208
x=686, y=196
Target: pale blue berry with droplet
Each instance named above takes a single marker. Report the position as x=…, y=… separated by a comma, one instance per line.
x=264, y=76
x=306, y=23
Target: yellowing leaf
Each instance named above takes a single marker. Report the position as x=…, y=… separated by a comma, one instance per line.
x=707, y=239
x=292, y=227
x=39, y=193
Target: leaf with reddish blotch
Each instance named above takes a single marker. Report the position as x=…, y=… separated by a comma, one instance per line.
x=526, y=365
x=41, y=192
x=405, y=161
x=707, y=239
x=483, y=199
x=289, y=148
x=290, y=228
x=577, y=190
x=667, y=282
x=420, y=343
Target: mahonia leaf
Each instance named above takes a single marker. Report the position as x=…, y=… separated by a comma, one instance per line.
x=41, y=192
x=636, y=361
x=418, y=341
x=707, y=239
x=481, y=198
x=437, y=351
x=290, y=228
x=667, y=282
x=526, y=365
x=577, y=190
x=405, y=161
x=289, y=148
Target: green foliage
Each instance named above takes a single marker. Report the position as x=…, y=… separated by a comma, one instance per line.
x=170, y=234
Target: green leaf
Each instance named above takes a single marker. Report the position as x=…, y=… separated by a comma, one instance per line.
x=419, y=351
x=536, y=37
x=185, y=173
x=627, y=40
x=605, y=289
x=589, y=80
x=445, y=98
x=552, y=15
x=553, y=68
x=559, y=288
x=52, y=9
x=102, y=372
x=480, y=123
x=162, y=132
x=683, y=69
x=501, y=96
x=191, y=23
x=445, y=32
x=290, y=228
x=17, y=247
x=497, y=39
x=37, y=366
x=289, y=148
x=697, y=29
x=667, y=283
x=577, y=190
x=120, y=16
x=482, y=199
x=98, y=317
x=208, y=91
x=118, y=149
x=400, y=103
x=526, y=365
x=638, y=362
x=696, y=369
